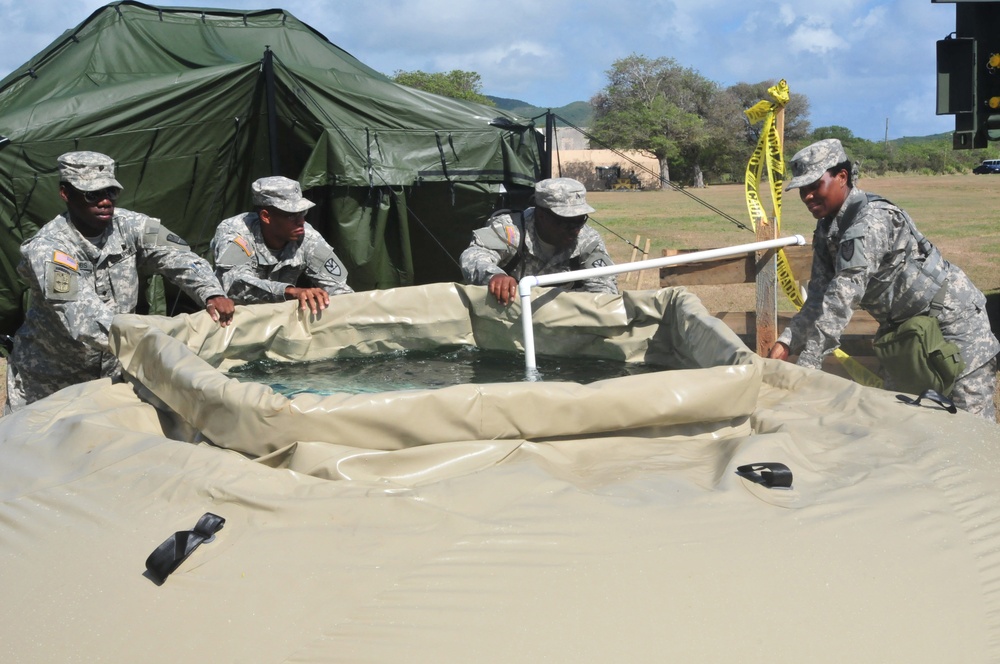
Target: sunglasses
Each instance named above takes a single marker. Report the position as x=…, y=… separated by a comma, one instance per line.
x=281, y=214
x=568, y=222
x=111, y=194
x=572, y=222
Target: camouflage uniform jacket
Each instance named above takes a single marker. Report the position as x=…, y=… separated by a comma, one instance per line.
x=77, y=288
x=252, y=273
x=870, y=255
x=508, y=235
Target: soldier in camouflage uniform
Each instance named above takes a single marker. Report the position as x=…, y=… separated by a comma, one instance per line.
x=260, y=255
x=548, y=238
x=868, y=253
x=82, y=270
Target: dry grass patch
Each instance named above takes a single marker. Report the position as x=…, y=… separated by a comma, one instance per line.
x=957, y=212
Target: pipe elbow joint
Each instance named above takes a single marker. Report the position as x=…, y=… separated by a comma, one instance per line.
x=525, y=285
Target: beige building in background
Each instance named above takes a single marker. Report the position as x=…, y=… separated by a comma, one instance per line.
x=572, y=159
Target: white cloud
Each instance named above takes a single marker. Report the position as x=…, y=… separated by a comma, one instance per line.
x=815, y=39
x=786, y=15
x=872, y=22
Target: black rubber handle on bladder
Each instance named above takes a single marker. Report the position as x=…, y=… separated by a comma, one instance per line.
x=771, y=475
x=930, y=395
x=175, y=549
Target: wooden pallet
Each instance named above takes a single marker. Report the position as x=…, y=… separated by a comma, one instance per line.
x=857, y=337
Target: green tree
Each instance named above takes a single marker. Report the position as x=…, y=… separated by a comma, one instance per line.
x=723, y=153
x=458, y=84
x=690, y=124
x=651, y=105
x=844, y=134
x=926, y=154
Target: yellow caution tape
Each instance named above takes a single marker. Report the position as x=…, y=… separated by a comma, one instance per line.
x=769, y=152
x=856, y=370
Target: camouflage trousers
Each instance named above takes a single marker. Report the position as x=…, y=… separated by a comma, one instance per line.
x=16, y=396
x=974, y=391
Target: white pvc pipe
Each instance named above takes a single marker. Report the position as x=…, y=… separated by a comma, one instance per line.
x=527, y=282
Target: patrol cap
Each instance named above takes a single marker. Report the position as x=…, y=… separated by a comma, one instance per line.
x=88, y=171
x=279, y=192
x=809, y=163
x=563, y=196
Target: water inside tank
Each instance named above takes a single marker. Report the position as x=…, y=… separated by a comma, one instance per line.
x=425, y=369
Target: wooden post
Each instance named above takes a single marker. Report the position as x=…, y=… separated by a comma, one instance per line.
x=635, y=280
x=625, y=280
x=644, y=282
x=767, y=269
x=635, y=249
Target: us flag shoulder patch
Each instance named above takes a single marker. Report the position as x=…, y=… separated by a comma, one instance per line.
x=242, y=244
x=65, y=260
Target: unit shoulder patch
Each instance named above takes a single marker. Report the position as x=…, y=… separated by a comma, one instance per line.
x=847, y=250
x=62, y=281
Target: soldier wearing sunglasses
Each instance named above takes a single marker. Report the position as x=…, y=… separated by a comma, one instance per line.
x=262, y=256
x=82, y=269
x=551, y=237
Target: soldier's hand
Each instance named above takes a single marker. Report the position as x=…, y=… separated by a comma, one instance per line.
x=221, y=309
x=504, y=288
x=310, y=299
x=779, y=351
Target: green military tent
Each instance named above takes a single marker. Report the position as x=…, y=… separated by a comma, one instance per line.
x=195, y=104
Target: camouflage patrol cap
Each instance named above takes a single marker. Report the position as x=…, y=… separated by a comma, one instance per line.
x=564, y=196
x=809, y=163
x=88, y=171
x=281, y=193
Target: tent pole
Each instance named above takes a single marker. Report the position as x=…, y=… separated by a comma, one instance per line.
x=410, y=274
x=550, y=125
x=272, y=115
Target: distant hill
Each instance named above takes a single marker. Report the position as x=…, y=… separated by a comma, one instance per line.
x=578, y=113
x=945, y=137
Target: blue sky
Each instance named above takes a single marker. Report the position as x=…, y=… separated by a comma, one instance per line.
x=861, y=63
